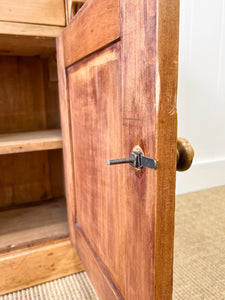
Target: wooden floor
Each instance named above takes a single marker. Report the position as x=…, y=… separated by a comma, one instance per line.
x=28, y=224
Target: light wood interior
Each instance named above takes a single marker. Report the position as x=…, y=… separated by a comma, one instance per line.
x=32, y=201
x=50, y=12
x=30, y=177
x=31, y=30
x=30, y=27
x=36, y=264
x=34, y=242
x=28, y=94
x=31, y=223
x=30, y=141
x=28, y=39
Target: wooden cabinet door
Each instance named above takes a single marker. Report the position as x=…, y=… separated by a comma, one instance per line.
x=117, y=65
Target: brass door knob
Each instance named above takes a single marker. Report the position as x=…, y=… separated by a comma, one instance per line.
x=185, y=154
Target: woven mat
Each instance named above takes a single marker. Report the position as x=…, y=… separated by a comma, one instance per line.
x=73, y=287
x=199, y=255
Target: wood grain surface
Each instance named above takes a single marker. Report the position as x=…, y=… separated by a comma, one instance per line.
x=25, y=178
x=166, y=99
x=51, y=12
x=28, y=103
x=66, y=136
x=26, y=39
x=117, y=97
x=37, y=264
x=31, y=30
x=102, y=284
x=30, y=141
x=22, y=106
x=83, y=37
x=26, y=45
x=27, y=224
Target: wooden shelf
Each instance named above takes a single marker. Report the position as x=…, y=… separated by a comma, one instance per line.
x=49, y=12
x=31, y=223
x=28, y=39
x=30, y=141
x=25, y=29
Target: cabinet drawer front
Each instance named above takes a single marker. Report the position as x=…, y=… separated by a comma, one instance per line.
x=51, y=12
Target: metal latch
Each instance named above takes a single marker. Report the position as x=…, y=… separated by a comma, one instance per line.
x=136, y=160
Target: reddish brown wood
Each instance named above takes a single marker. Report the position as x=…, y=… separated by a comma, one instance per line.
x=97, y=275
x=118, y=97
x=94, y=27
x=166, y=134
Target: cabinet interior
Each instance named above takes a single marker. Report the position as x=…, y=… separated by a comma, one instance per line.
x=32, y=201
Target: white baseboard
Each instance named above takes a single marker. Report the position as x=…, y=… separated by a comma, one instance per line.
x=201, y=175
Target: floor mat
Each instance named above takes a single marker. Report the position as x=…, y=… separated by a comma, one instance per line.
x=199, y=255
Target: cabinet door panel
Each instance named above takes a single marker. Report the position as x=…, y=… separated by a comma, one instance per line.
x=117, y=66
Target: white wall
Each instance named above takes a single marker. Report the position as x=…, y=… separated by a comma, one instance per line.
x=201, y=92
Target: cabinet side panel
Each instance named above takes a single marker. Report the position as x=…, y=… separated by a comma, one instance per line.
x=66, y=134
x=51, y=92
x=25, y=178
x=22, y=101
